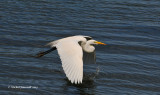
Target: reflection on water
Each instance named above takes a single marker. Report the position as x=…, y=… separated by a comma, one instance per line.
x=82, y=89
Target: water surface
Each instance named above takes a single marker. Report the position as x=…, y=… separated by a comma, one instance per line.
x=128, y=65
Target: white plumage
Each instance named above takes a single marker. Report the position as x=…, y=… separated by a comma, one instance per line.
x=71, y=50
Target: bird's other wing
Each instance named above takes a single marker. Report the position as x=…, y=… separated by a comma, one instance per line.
x=71, y=54
x=89, y=58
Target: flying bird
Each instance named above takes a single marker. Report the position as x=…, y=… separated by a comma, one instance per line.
x=73, y=52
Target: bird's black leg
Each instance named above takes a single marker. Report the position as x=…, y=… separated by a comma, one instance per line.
x=45, y=52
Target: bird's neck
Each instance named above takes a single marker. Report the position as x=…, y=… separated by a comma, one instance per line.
x=88, y=48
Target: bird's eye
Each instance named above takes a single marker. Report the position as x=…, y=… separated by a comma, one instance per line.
x=95, y=42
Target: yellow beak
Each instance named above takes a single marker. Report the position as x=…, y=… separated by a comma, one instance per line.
x=100, y=43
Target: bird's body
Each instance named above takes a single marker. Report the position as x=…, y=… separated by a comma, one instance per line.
x=70, y=50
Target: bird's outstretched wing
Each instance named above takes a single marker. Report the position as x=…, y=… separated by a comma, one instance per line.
x=89, y=58
x=71, y=54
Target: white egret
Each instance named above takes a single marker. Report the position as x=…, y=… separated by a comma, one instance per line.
x=73, y=52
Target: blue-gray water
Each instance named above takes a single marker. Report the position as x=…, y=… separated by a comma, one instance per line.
x=128, y=65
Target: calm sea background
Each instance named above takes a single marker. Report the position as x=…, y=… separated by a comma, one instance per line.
x=128, y=65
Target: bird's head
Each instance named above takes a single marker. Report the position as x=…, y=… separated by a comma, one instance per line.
x=89, y=46
x=94, y=42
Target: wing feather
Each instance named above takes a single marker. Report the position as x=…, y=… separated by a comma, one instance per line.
x=71, y=55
